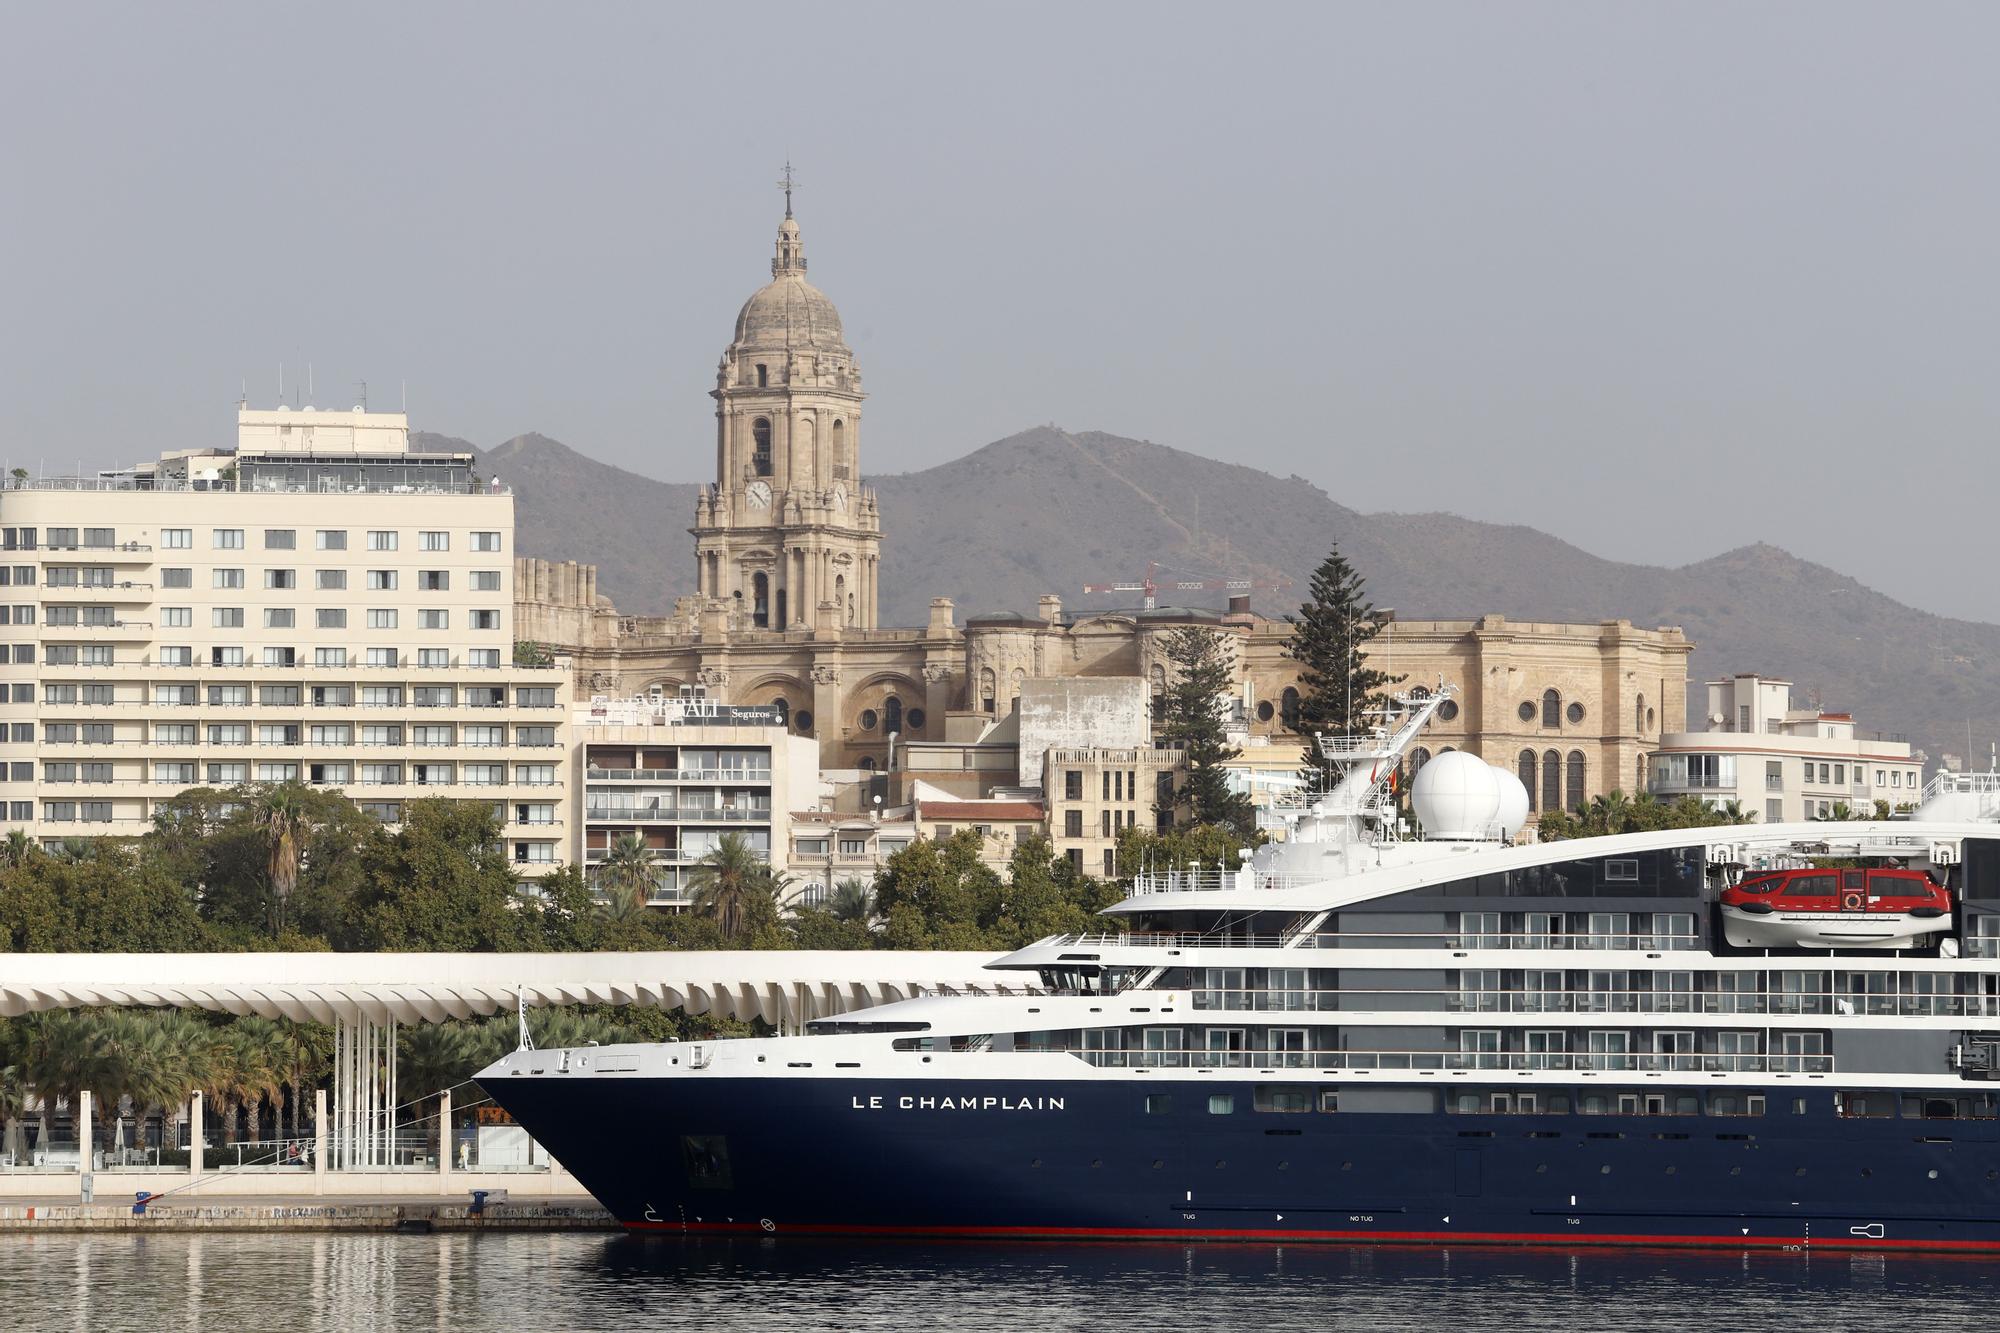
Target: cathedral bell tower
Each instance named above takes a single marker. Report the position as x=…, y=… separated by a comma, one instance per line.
x=787, y=536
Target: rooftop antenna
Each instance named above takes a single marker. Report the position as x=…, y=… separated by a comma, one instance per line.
x=787, y=184
x=363, y=384
x=309, y=379
x=281, y=384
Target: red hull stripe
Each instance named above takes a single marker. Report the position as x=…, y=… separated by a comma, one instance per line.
x=1559, y=1238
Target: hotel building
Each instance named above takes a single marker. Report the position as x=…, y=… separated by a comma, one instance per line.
x=321, y=603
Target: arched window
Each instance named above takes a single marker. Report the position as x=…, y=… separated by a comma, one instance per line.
x=1524, y=769
x=1639, y=778
x=781, y=622
x=1552, y=781
x=1158, y=677
x=1552, y=709
x=784, y=707
x=892, y=714
x=760, y=446
x=1576, y=779
x=763, y=376
x=802, y=450
x=867, y=764
x=986, y=685
x=840, y=590
x=1288, y=707
x=842, y=468
x=1019, y=677
x=1418, y=758
x=1639, y=716
x=760, y=600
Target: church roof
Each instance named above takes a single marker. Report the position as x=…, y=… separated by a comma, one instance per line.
x=788, y=311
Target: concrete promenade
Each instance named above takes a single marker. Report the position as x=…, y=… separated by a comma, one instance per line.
x=187, y=1213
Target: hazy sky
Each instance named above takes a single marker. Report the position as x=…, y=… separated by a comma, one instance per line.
x=1660, y=280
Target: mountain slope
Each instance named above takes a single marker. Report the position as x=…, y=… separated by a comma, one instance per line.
x=1049, y=510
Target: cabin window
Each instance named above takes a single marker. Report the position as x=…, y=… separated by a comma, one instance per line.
x=1282, y=1098
x=1159, y=1103
x=1221, y=1103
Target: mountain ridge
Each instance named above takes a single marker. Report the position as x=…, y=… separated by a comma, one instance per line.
x=1047, y=510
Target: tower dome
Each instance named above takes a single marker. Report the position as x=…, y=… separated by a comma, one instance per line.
x=789, y=312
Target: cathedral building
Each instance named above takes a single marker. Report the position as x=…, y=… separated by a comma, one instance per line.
x=787, y=545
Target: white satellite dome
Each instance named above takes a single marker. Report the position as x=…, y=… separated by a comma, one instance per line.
x=1456, y=795
x=1513, y=812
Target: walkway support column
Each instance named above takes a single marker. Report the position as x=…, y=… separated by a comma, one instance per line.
x=83, y=1140
x=195, y=1132
x=319, y=1140
x=444, y=1141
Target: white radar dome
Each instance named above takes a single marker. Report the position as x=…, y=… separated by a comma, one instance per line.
x=1513, y=812
x=1456, y=795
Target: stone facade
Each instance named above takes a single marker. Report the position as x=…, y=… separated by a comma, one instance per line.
x=786, y=508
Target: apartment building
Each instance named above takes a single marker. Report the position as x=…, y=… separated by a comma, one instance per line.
x=1094, y=794
x=1782, y=763
x=320, y=603
x=680, y=773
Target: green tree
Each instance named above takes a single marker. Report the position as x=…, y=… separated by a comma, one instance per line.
x=735, y=888
x=441, y=882
x=936, y=893
x=432, y=1058
x=852, y=900
x=626, y=877
x=1329, y=637
x=1192, y=717
x=280, y=813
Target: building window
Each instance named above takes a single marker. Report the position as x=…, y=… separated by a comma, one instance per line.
x=382, y=618
x=382, y=580
x=330, y=618
x=1524, y=768
x=1552, y=709
x=760, y=438
x=434, y=541
x=330, y=580
x=1288, y=707
x=280, y=539
x=226, y=539
x=1072, y=823
x=381, y=541
x=486, y=541
x=760, y=601
x=228, y=578
x=485, y=619
x=987, y=687
x=1639, y=715
x=763, y=376
x=1552, y=781
x=177, y=539
x=330, y=540
x=1576, y=779
x=486, y=580
x=1418, y=758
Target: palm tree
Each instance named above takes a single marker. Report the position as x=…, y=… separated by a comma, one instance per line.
x=13, y=1106
x=852, y=900
x=1733, y=811
x=17, y=849
x=1842, y=811
x=198, y=1047
x=626, y=877
x=731, y=883
x=435, y=1057
x=61, y=1057
x=281, y=813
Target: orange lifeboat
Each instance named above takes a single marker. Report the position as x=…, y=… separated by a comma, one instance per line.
x=1835, y=909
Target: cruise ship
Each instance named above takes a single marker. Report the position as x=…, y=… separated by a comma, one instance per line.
x=1386, y=1030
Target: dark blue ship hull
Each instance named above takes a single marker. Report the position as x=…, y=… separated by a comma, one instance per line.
x=1086, y=1159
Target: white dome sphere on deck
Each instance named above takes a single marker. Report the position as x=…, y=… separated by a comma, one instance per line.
x=1456, y=795
x=1513, y=811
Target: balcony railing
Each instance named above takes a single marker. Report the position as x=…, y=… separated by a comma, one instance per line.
x=1457, y=1061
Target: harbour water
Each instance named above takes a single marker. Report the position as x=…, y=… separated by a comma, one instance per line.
x=551, y=1282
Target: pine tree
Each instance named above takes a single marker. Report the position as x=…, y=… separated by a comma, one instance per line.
x=1201, y=678
x=1336, y=685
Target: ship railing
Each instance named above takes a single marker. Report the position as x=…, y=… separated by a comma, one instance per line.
x=1210, y=880
x=1455, y=1001
x=1267, y=1061
x=1635, y=941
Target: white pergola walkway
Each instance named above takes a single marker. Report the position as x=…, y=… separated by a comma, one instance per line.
x=364, y=996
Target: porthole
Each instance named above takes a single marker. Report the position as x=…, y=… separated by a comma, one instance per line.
x=1448, y=710
x=1735, y=1170
x=1801, y=1171
x=1993, y=1175
x=1604, y=1170
x=1219, y=1164
x=1575, y=714
x=916, y=719
x=1347, y=1166
x=1157, y=1164
x=868, y=719
x=1527, y=711
x=1932, y=1173
x=1265, y=712
x=1284, y=1166
x=1670, y=1170
x=1868, y=1171
x=1096, y=1163
x=1035, y=1162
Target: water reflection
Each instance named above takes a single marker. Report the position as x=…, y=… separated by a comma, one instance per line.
x=548, y=1282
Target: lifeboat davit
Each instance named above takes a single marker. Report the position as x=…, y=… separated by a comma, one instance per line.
x=1835, y=909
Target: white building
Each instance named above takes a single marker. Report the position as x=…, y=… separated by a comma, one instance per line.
x=679, y=773
x=1783, y=763
x=320, y=603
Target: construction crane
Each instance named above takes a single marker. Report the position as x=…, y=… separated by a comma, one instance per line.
x=1151, y=584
